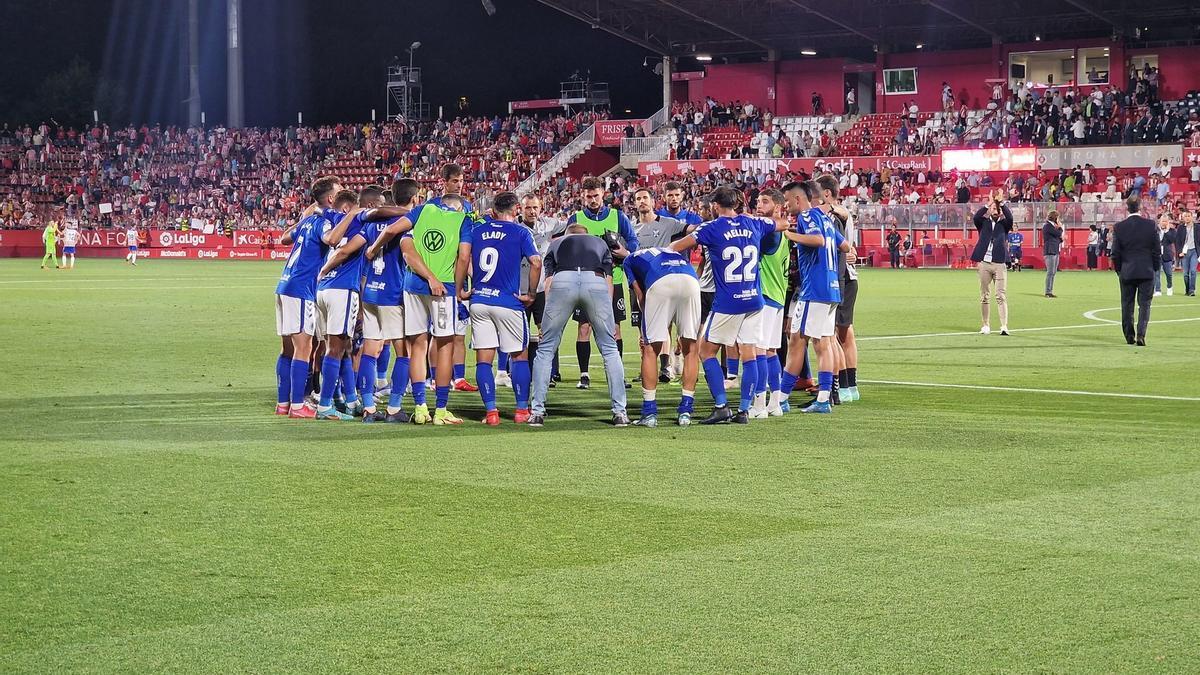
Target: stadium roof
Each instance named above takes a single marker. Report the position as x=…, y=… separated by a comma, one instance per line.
x=857, y=27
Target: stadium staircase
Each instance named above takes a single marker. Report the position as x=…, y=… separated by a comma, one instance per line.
x=581, y=144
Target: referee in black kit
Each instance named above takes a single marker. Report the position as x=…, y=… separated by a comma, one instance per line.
x=578, y=269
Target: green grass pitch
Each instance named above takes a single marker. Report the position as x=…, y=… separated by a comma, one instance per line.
x=157, y=517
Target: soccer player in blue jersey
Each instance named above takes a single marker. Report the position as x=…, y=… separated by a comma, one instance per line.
x=382, y=296
x=773, y=274
x=732, y=244
x=498, y=248
x=295, y=298
x=432, y=249
x=1015, y=241
x=820, y=244
x=666, y=288
x=453, y=180
x=599, y=218
x=673, y=205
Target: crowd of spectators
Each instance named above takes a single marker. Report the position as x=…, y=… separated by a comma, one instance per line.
x=249, y=178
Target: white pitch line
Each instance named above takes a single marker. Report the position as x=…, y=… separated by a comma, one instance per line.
x=1030, y=390
x=87, y=280
x=1099, y=323
x=134, y=288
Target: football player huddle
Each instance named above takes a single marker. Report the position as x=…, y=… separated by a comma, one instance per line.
x=381, y=278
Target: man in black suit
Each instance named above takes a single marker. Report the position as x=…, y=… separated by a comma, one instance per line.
x=1137, y=258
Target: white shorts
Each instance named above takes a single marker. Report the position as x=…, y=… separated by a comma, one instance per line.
x=427, y=314
x=383, y=322
x=293, y=315
x=731, y=329
x=674, y=298
x=772, y=328
x=337, y=311
x=814, y=319
x=498, y=328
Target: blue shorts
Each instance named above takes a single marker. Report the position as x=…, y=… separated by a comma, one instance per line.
x=68, y=250
x=133, y=249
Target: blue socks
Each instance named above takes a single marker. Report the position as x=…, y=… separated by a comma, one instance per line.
x=731, y=366
x=443, y=396
x=749, y=382
x=716, y=381
x=299, y=380
x=825, y=385
x=460, y=371
x=787, y=382
x=522, y=377
x=760, y=387
x=283, y=379
x=331, y=366
x=367, y=366
x=418, y=392
x=400, y=382
x=385, y=358
x=774, y=372
x=687, y=404
x=486, y=380
x=649, y=408
x=349, y=382
x=503, y=361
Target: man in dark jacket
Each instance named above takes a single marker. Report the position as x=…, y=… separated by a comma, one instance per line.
x=1168, y=238
x=993, y=222
x=893, y=244
x=1137, y=258
x=1052, y=235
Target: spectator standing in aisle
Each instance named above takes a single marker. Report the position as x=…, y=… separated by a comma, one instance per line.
x=1052, y=235
x=1093, y=247
x=851, y=102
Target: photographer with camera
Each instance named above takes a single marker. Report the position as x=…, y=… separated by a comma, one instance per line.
x=993, y=222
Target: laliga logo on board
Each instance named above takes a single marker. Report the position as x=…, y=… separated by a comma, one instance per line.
x=168, y=238
x=164, y=238
x=206, y=254
x=278, y=255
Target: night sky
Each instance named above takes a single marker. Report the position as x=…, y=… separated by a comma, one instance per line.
x=327, y=59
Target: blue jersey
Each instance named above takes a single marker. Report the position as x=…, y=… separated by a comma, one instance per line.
x=651, y=264
x=467, y=206
x=497, y=249
x=731, y=245
x=385, y=274
x=348, y=275
x=685, y=216
x=299, y=277
x=818, y=267
x=1015, y=239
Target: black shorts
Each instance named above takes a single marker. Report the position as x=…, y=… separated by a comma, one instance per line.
x=537, y=309
x=845, y=311
x=706, y=303
x=618, y=306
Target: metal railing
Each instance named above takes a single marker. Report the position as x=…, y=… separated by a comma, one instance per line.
x=658, y=120
x=955, y=221
x=642, y=147
x=559, y=161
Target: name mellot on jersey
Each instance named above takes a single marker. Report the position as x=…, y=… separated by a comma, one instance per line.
x=734, y=233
